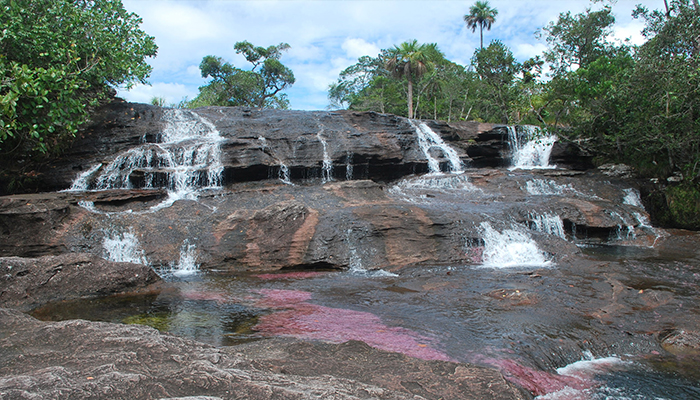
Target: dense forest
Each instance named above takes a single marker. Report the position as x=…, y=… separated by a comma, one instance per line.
x=638, y=105
x=633, y=104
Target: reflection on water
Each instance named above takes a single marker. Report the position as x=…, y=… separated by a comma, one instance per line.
x=603, y=316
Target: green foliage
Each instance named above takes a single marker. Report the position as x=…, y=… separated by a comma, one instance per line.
x=441, y=89
x=497, y=69
x=410, y=61
x=158, y=101
x=636, y=105
x=480, y=15
x=577, y=40
x=684, y=205
x=640, y=106
x=57, y=59
x=261, y=86
x=675, y=206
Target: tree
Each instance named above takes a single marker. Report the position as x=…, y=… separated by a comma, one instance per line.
x=354, y=80
x=497, y=69
x=58, y=58
x=411, y=60
x=447, y=90
x=577, y=40
x=261, y=86
x=481, y=15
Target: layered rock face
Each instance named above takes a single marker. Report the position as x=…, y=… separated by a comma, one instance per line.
x=239, y=189
x=86, y=360
x=360, y=145
x=296, y=189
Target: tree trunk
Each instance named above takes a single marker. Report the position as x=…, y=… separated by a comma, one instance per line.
x=410, y=97
x=481, y=34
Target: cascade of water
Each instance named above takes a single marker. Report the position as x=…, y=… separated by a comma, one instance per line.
x=187, y=265
x=82, y=181
x=550, y=224
x=327, y=166
x=510, y=248
x=437, y=182
x=625, y=230
x=348, y=166
x=123, y=247
x=632, y=198
x=355, y=261
x=530, y=149
x=187, y=154
x=284, y=175
x=428, y=139
x=541, y=187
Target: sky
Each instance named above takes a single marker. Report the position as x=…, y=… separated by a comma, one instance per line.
x=327, y=36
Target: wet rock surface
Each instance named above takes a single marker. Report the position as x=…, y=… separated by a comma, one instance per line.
x=80, y=360
x=27, y=283
x=270, y=225
x=255, y=143
x=311, y=194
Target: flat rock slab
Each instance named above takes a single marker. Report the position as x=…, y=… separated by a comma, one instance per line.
x=27, y=283
x=85, y=360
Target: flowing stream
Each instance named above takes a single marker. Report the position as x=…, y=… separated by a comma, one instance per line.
x=530, y=147
x=584, y=327
x=551, y=329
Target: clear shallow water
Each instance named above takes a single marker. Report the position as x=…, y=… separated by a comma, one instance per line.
x=601, y=316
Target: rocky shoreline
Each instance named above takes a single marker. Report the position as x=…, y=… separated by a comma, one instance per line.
x=292, y=191
x=79, y=359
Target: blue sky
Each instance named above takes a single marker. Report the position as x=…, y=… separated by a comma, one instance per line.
x=326, y=36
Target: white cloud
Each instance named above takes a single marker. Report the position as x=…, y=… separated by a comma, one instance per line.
x=631, y=31
x=327, y=36
x=524, y=51
x=171, y=92
x=357, y=47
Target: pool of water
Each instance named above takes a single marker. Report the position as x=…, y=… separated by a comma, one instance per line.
x=588, y=328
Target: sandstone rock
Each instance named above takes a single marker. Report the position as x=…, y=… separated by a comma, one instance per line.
x=364, y=145
x=27, y=283
x=617, y=170
x=83, y=360
x=682, y=342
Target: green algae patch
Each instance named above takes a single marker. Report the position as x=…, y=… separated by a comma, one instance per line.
x=160, y=321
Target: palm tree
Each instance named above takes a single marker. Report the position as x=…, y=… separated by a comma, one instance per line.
x=411, y=60
x=481, y=15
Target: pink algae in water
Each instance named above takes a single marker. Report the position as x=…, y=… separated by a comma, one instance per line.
x=309, y=321
x=539, y=382
x=206, y=296
x=290, y=275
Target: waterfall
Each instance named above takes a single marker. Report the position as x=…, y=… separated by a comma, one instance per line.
x=327, y=166
x=427, y=140
x=550, y=224
x=284, y=175
x=541, y=187
x=510, y=248
x=123, y=247
x=530, y=148
x=355, y=261
x=632, y=198
x=187, y=156
x=435, y=182
x=187, y=265
x=82, y=181
x=348, y=166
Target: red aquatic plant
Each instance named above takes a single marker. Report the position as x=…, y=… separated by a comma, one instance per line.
x=301, y=319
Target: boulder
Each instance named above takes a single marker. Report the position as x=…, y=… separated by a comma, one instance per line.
x=85, y=360
x=27, y=283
